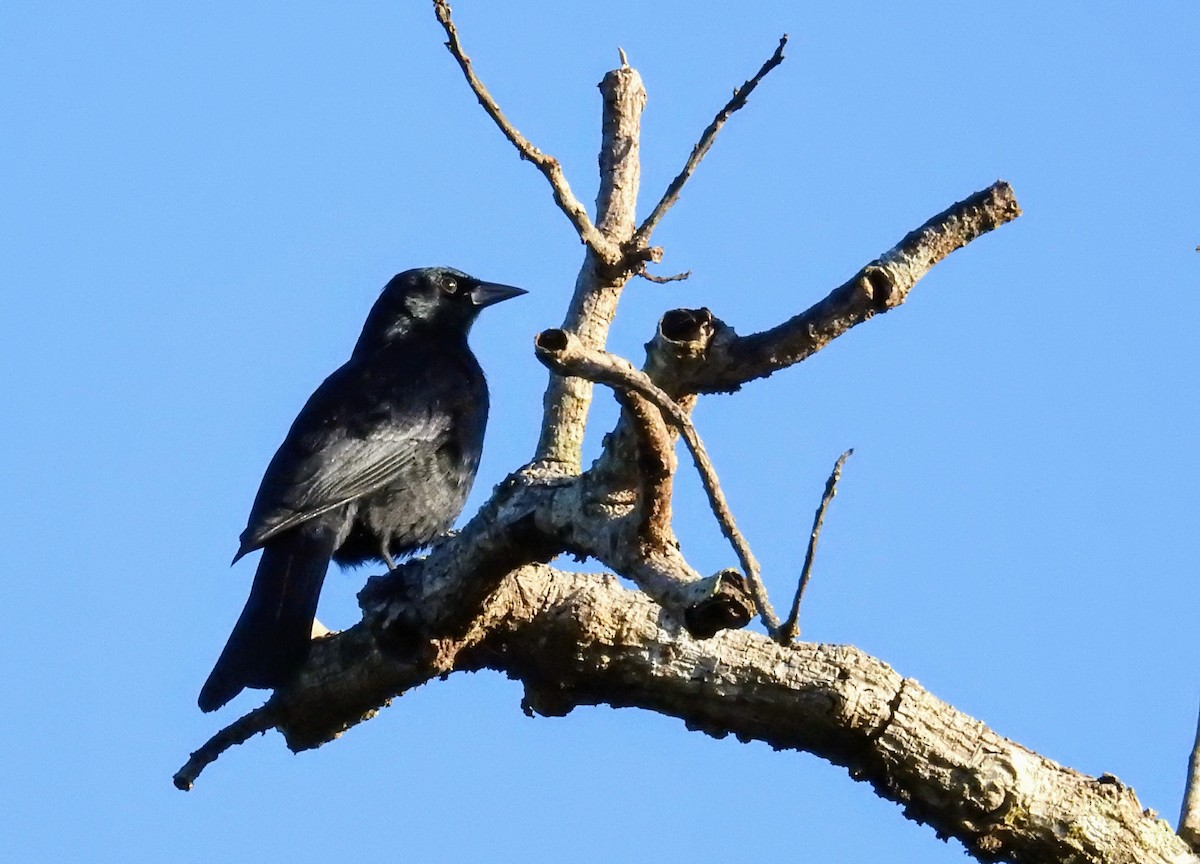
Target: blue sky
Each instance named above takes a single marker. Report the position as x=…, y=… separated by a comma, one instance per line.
x=201, y=202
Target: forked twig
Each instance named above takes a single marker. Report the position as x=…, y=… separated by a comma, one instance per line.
x=790, y=629
x=738, y=101
x=547, y=164
x=565, y=354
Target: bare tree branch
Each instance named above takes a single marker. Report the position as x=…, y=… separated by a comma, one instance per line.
x=579, y=639
x=790, y=628
x=548, y=165
x=740, y=95
x=599, y=285
x=655, y=468
x=566, y=355
x=705, y=606
x=240, y=731
x=601, y=644
x=418, y=618
x=728, y=361
x=485, y=598
x=1189, y=816
x=663, y=280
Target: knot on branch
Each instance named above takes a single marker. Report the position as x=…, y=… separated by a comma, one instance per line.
x=683, y=347
x=638, y=255
x=552, y=341
x=879, y=289
x=726, y=605
x=688, y=329
x=546, y=699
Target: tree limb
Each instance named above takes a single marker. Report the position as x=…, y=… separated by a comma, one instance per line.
x=593, y=642
x=599, y=284
x=663, y=280
x=654, y=468
x=548, y=165
x=256, y=722
x=419, y=617
x=727, y=361
x=579, y=639
x=740, y=96
x=566, y=355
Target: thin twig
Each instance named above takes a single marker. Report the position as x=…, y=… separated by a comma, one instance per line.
x=740, y=95
x=547, y=164
x=790, y=629
x=238, y=732
x=663, y=280
x=565, y=354
x=1189, y=816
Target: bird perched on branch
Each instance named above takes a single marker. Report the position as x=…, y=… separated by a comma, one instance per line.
x=378, y=463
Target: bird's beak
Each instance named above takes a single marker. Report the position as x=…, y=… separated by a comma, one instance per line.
x=487, y=293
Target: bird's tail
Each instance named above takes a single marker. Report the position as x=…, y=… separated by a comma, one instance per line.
x=271, y=638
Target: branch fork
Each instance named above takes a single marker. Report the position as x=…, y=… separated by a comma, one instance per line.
x=563, y=353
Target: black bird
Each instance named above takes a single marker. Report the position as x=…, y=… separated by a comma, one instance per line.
x=378, y=463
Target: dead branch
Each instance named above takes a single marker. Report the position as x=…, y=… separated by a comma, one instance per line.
x=566, y=355
x=418, y=618
x=663, y=280
x=654, y=460
x=740, y=96
x=729, y=361
x=548, y=165
x=257, y=722
x=579, y=639
x=599, y=285
x=601, y=644
x=704, y=606
x=790, y=629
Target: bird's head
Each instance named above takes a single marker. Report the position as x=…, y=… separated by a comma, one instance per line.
x=440, y=299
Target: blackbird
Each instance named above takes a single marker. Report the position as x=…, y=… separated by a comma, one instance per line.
x=378, y=463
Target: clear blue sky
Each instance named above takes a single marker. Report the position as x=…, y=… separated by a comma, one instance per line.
x=201, y=201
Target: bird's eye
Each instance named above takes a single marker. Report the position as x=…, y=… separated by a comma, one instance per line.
x=450, y=286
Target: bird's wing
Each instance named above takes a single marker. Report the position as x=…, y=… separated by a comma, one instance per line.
x=344, y=444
